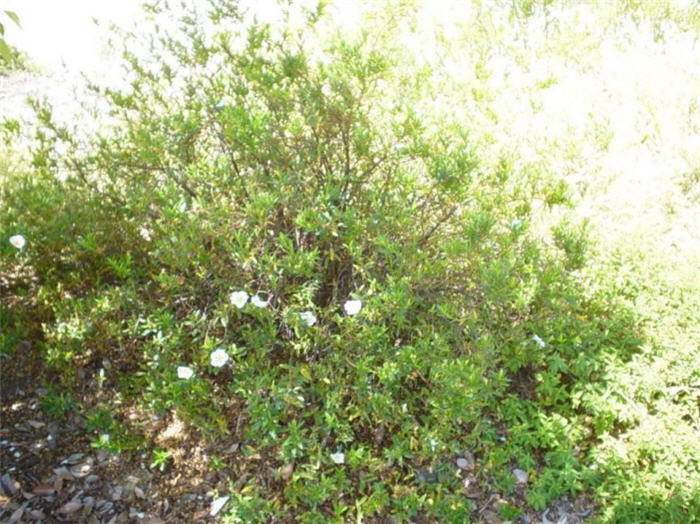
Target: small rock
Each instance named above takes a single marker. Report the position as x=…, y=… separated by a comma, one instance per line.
x=35, y=424
x=217, y=505
x=466, y=462
x=287, y=470
x=520, y=476
x=469, y=457
x=491, y=517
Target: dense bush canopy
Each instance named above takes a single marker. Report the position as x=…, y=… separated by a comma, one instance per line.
x=273, y=241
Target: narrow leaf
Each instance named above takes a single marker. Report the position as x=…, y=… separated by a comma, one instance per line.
x=5, y=51
x=13, y=16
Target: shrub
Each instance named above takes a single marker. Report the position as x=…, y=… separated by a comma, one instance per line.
x=377, y=293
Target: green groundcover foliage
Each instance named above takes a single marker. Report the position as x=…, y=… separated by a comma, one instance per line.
x=268, y=240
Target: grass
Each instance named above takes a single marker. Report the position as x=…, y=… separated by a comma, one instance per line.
x=525, y=297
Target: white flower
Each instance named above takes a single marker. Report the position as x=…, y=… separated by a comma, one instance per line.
x=239, y=298
x=338, y=458
x=308, y=318
x=539, y=341
x=104, y=438
x=352, y=307
x=18, y=241
x=145, y=234
x=258, y=302
x=218, y=358
x=184, y=372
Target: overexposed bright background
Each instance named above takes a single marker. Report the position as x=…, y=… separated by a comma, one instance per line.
x=57, y=33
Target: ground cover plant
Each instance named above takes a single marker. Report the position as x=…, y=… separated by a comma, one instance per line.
x=277, y=238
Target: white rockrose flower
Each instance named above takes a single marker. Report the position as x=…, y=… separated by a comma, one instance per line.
x=352, y=307
x=257, y=301
x=184, y=372
x=18, y=241
x=239, y=299
x=218, y=358
x=308, y=318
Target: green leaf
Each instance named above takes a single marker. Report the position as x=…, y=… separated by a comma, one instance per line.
x=4, y=51
x=13, y=16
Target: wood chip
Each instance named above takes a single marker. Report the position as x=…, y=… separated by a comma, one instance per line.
x=17, y=515
x=9, y=486
x=63, y=473
x=44, y=490
x=70, y=507
x=81, y=470
x=37, y=515
x=73, y=459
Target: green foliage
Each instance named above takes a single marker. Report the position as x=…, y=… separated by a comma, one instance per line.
x=57, y=404
x=9, y=57
x=306, y=172
x=160, y=459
